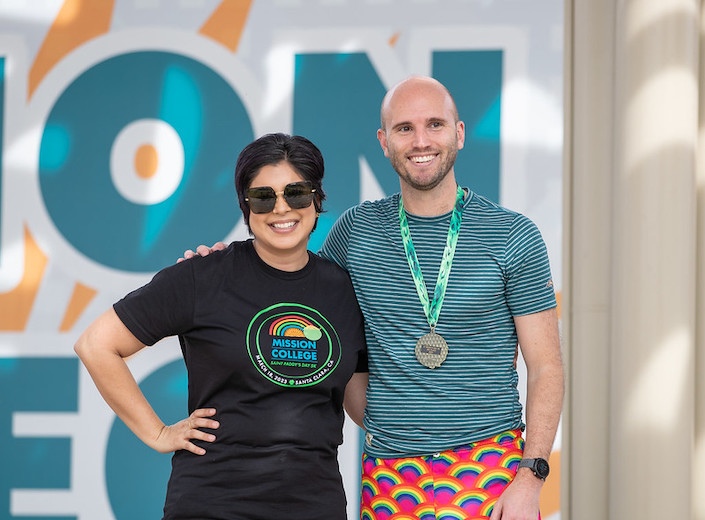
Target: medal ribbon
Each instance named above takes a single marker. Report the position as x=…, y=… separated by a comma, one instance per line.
x=432, y=308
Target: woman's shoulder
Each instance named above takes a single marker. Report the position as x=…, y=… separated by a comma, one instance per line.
x=233, y=249
x=235, y=252
x=329, y=268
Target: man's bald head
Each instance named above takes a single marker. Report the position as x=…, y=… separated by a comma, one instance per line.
x=414, y=85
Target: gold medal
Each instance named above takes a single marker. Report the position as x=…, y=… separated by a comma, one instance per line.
x=431, y=350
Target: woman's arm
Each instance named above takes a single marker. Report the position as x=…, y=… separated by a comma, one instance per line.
x=103, y=348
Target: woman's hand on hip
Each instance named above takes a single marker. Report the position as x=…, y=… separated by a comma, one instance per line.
x=178, y=436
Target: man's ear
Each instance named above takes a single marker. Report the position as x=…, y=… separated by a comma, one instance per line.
x=460, y=131
x=382, y=138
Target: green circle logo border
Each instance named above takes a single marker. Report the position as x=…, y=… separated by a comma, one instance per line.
x=317, y=321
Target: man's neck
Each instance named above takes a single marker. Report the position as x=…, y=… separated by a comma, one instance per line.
x=431, y=203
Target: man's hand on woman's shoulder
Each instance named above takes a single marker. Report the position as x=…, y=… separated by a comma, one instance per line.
x=202, y=251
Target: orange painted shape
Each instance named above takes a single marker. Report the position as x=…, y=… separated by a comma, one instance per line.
x=82, y=296
x=394, y=39
x=558, y=301
x=78, y=21
x=227, y=23
x=146, y=161
x=16, y=305
x=550, y=500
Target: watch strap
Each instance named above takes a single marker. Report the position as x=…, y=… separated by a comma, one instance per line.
x=532, y=465
x=527, y=463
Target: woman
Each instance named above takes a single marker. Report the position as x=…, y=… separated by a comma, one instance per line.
x=271, y=335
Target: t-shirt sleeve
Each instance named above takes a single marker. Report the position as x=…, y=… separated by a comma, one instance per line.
x=163, y=307
x=359, y=329
x=529, y=285
x=335, y=246
x=355, y=323
x=362, y=356
x=362, y=362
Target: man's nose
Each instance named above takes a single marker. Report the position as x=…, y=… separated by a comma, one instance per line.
x=421, y=138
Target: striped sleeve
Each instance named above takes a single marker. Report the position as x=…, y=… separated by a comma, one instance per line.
x=529, y=286
x=335, y=246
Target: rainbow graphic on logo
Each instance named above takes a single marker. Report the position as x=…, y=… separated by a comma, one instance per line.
x=294, y=326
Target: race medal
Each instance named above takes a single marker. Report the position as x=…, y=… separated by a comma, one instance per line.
x=431, y=350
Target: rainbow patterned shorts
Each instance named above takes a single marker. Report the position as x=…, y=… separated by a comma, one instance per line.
x=463, y=483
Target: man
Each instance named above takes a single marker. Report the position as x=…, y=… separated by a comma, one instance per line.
x=443, y=421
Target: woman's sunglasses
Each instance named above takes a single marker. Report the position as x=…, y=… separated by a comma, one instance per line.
x=298, y=195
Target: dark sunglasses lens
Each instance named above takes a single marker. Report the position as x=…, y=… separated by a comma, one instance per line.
x=261, y=200
x=298, y=195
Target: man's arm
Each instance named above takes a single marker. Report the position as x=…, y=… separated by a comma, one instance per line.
x=540, y=347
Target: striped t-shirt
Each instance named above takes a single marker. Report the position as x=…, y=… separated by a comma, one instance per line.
x=500, y=270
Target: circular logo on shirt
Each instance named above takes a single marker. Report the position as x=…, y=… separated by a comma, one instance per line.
x=293, y=345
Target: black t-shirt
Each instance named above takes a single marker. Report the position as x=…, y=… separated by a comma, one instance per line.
x=272, y=352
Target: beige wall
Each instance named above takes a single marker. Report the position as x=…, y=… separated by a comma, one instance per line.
x=634, y=431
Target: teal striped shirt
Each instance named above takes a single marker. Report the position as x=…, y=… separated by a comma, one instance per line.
x=500, y=270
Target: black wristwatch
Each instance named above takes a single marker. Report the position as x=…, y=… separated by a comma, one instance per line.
x=538, y=466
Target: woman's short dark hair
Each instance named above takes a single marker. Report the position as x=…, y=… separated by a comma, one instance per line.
x=270, y=149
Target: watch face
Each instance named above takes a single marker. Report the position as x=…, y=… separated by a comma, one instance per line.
x=542, y=468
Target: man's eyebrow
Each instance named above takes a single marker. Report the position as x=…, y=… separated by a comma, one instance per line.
x=429, y=120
